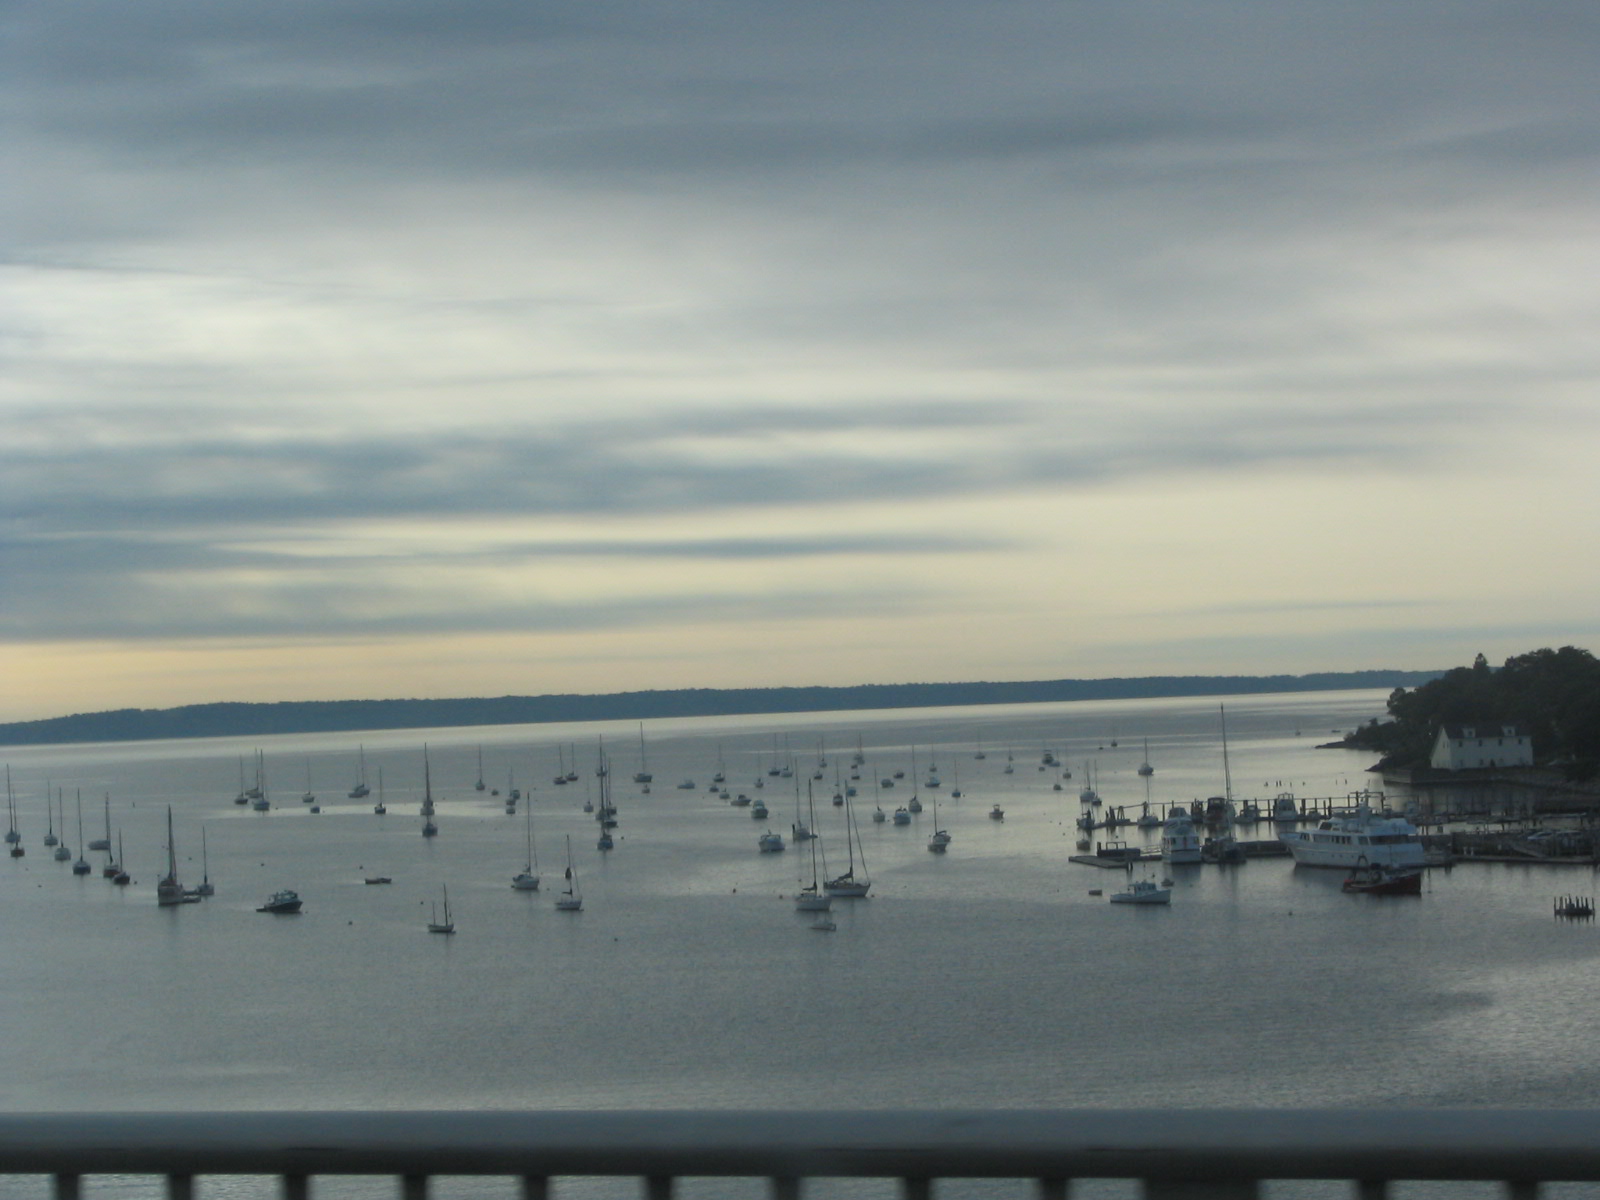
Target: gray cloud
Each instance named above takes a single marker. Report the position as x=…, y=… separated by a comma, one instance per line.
x=1042, y=246
x=185, y=476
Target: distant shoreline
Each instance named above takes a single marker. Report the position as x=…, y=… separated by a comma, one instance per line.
x=233, y=719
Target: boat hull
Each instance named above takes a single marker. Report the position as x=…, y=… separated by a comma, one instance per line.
x=1381, y=882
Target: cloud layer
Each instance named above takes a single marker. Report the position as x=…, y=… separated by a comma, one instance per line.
x=357, y=322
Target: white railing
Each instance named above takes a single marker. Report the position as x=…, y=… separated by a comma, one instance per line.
x=1175, y=1153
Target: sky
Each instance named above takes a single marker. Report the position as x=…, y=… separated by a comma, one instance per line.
x=360, y=349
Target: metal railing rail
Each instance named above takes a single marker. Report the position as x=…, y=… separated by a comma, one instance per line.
x=1176, y=1153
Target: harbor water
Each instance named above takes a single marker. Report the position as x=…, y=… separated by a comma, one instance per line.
x=987, y=976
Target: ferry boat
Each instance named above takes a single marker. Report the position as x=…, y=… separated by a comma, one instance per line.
x=1357, y=838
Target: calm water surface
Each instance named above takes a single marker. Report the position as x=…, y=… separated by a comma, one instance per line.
x=988, y=976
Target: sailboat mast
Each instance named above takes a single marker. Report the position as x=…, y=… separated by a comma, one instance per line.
x=1227, y=776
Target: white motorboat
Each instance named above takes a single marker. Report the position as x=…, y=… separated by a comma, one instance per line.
x=1179, y=841
x=1285, y=809
x=1143, y=891
x=770, y=842
x=1357, y=838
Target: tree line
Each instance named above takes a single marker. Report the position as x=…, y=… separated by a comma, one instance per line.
x=1552, y=695
x=246, y=718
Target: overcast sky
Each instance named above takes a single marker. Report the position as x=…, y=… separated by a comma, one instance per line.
x=369, y=348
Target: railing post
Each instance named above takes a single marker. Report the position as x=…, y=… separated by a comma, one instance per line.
x=1372, y=1189
x=658, y=1187
x=784, y=1187
x=414, y=1187
x=68, y=1187
x=1054, y=1189
x=535, y=1187
x=180, y=1187
x=1522, y=1189
x=296, y=1187
x=912, y=1188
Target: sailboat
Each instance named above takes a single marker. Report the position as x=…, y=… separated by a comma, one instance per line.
x=606, y=814
x=112, y=869
x=12, y=835
x=643, y=774
x=308, y=796
x=446, y=925
x=478, y=787
x=1088, y=795
x=570, y=900
x=168, y=890
x=104, y=843
x=847, y=885
x=812, y=898
x=259, y=801
x=941, y=838
x=528, y=879
x=206, y=887
x=62, y=853
x=380, y=807
x=1145, y=768
x=1219, y=809
x=244, y=796
x=361, y=789
x=121, y=878
x=800, y=830
x=1222, y=847
x=429, y=829
x=81, y=865
x=50, y=838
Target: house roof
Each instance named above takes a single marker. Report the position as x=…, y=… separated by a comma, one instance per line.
x=1458, y=733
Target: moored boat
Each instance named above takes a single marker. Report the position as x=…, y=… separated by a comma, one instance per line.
x=285, y=901
x=1376, y=879
x=1357, y=838
x=1143, y=891
x=1179, y=841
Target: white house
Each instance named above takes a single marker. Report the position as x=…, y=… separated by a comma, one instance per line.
x=1465, y=747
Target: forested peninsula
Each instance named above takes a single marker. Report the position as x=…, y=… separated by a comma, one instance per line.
x=1553, y=695
x=333, y=716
